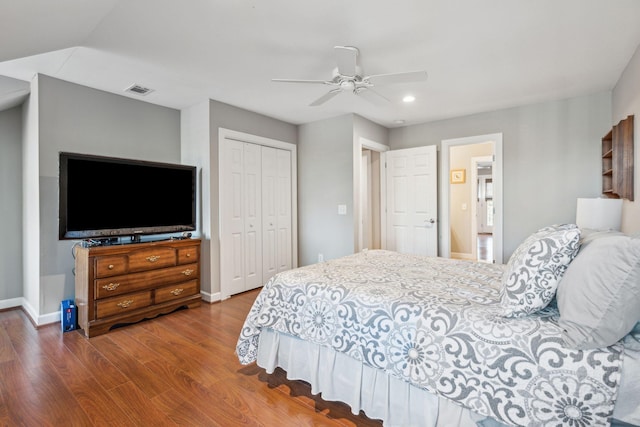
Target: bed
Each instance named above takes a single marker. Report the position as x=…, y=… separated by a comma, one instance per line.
x=419, y=341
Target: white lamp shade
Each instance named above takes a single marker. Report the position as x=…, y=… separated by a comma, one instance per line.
x=599, y=214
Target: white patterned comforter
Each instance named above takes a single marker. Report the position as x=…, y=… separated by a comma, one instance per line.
x=436, y=323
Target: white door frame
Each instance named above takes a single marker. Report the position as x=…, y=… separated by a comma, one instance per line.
x=445, y=226
x=365, y=201
x=358, y=145
x=268, y=142
x=474, y=203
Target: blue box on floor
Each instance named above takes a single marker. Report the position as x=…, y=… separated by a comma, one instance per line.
x=68, y=315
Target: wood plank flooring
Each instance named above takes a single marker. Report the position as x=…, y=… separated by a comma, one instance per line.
x=178, y=369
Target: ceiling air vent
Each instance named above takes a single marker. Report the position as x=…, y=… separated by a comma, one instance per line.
x=139, y=90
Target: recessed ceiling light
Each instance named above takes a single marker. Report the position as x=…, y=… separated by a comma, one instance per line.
x=409, y=98
x=398, y=122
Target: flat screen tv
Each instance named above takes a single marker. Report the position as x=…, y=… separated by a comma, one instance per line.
x=106, y=197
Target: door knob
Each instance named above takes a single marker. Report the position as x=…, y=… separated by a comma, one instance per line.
x=430, y=220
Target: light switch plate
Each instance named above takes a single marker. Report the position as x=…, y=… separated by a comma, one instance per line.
x=342, y=209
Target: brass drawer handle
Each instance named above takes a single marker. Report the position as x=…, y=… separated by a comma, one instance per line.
x=177, y=291
x=111, y=286
x=110, y=266
x=153, y=258
x=188, y=272
x=125, y=304
x=188, y=255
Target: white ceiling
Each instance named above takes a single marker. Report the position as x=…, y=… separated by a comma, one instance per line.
x=480, y=55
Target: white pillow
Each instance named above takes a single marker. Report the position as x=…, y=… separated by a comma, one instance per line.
x=533, y=271
x=599, y=295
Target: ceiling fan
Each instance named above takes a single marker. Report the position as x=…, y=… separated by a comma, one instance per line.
x=348, y=77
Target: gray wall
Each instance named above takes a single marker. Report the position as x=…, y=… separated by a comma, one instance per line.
x=326, y=175
x=551, y=157
x=11, y=203
x=626, y=101
x=80, y=119
x=325, y=180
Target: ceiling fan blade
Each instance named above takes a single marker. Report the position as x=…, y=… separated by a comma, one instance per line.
x=347, y=59
x=385, y=79
x=373, y=96
x=301, y=81
x=324, y=98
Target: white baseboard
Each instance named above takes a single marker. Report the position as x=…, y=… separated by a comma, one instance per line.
x=38, y=320
x=11, y=303
x=30, y=311
x=462, y=255
x=47, y=319
x=210, y=298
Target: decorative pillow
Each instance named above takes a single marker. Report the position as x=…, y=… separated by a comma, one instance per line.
x=599, y=295
x=533, y=271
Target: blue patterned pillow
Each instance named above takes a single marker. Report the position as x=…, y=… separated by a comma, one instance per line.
x=533, y=271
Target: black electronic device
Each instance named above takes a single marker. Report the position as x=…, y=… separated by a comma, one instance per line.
x=104, y=197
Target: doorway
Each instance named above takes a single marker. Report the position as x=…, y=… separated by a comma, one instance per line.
x=459, y=226
x=482, y=208
x=370, y=200
x=368, y=190
x=395, y=198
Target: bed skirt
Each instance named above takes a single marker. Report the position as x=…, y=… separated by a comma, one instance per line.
x=340, y=378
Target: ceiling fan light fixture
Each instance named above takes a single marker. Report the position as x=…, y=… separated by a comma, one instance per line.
x=408, y=99
x=347, y=85
x=348, y=77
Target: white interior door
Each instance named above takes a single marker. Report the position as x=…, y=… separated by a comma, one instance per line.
x=258, y=204
x=412, y=200
x=269, y=213
x=485, y=204
x=284, y=257
x=241, y=221
x=252, y=199
x=232, y=215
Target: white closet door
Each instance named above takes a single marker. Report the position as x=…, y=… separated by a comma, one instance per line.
x=283, y=203
x=252, y=199
x=232, y=211
x=276, y=211
x=256, y=214
x=269, y=213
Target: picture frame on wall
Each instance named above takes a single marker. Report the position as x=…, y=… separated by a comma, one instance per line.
x=458, y=176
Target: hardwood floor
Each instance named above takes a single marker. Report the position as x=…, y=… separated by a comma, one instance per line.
x=178, y=369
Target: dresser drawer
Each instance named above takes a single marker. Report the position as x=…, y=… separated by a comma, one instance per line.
x=116, y=285
x=111, y=265
x=176, y=291
x=188, y=255
x=151, y=258
x=122, y=304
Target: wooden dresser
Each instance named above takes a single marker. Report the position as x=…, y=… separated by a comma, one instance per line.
x=121, y=284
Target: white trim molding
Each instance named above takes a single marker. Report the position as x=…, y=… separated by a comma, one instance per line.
x=6, y=304
x=445, y=226
x=228, y=134
x=210, y=297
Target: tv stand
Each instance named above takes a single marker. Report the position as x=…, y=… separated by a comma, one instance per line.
x=124, y=284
